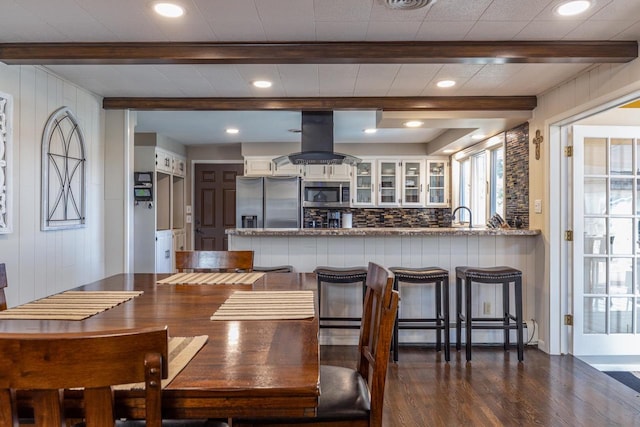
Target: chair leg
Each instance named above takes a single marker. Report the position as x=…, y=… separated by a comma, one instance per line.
x=319, y=285
x=505, y=313
x=518, y=292
x=395, y=326
x=438, y=291
x=458, y=313
x=447, y=344
x=467, y=307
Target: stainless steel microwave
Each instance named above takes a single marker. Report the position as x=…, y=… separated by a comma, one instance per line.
x=332, y=194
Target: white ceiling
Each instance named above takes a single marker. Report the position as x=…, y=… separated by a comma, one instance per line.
x=313, y=20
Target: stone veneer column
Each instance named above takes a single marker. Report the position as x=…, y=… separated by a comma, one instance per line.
x=517, y=175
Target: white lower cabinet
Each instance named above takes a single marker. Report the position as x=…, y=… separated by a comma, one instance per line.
x=164, y=251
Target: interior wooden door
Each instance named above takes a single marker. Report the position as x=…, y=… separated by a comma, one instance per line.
x=214, y=204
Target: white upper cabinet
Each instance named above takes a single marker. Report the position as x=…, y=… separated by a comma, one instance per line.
x=264, y=166
x=340, y=172
x=413, y=178
x=327, y=172
x=258, y=166
x=164, y=161
x=389, y=178
x=437, y=183
x=179, y=165
x=288, y=169
x=364, y=183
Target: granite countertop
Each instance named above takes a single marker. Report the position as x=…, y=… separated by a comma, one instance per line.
x=456, y=231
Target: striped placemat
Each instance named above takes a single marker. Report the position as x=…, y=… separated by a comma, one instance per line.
x=266, y=305
x=181, y=351
x=69, y=305
x=212, y=278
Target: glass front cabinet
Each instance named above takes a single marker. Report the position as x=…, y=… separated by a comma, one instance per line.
x=364, y=184
x=388, y=183
x=412, y=183
x=437, y=186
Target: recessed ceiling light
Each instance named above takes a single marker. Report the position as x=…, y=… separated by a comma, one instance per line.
x=168, y=10
x=370, y=130
x=413, y=123
x=262, y=84
x=478, y=137
x=446, y=83
x=573, y=8
x=232, y=130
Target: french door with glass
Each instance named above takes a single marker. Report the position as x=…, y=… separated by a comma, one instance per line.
x=606, y=240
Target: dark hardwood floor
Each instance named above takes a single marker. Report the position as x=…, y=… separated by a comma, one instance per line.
x=495, y=390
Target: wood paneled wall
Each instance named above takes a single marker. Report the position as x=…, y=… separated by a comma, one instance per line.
x=595, y=87
x=42, y=263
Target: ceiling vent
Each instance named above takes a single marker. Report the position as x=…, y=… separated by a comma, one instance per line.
x=407, y=4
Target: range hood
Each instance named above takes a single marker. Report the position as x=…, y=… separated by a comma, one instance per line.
x=317, y=143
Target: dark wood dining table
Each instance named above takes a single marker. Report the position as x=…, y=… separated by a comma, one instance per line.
x=246, y=369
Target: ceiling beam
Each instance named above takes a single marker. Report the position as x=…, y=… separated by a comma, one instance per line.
x=445, y=52
x=435, y=103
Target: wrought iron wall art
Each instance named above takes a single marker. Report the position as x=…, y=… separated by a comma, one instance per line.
x=6, y=122
x=64, y=173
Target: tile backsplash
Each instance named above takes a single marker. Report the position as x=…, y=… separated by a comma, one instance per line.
x=389, y=217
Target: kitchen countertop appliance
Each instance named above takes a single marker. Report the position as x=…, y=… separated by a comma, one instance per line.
x=322, y=194
x=333, y=219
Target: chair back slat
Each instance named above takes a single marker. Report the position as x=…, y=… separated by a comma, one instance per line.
x=209, y=261
x=48, y=363
x=376, y=330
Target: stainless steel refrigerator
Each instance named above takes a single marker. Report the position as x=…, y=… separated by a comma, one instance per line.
x=268, y=202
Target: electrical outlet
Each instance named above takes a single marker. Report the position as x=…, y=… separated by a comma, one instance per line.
x=486, y=308
x=537, y=206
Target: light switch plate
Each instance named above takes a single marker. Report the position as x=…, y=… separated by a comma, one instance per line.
x=537, y=206
x=187, y=209
x=188, y=219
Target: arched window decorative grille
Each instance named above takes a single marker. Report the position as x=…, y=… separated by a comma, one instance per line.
x=6, y=118
x=63, y=172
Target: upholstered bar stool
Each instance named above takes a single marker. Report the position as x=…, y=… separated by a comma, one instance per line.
x=350, y=275
x=495, y=275
x=439, y=323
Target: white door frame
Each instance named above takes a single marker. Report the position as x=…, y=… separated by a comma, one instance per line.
x=560, y=284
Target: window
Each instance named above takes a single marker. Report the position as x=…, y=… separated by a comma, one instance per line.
x=480, y=180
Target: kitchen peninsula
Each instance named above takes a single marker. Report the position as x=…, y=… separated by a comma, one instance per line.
x=447, y=248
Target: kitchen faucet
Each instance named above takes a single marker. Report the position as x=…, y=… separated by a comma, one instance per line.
x=453, y=215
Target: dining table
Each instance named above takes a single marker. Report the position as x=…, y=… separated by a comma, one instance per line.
x=247, y=368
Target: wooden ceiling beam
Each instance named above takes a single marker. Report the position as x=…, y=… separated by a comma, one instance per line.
x=436, y=103
x=445, y=52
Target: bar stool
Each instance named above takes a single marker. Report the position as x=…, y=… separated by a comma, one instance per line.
x=340, y=275
x=496, y=275
x=439, y=323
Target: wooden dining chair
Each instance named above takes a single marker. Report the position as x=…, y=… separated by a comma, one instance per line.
x=3, y=284
x=208, y=261
x=48, y=363
x=349, y=397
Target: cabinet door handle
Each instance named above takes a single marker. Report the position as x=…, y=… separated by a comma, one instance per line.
x=421, y=188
